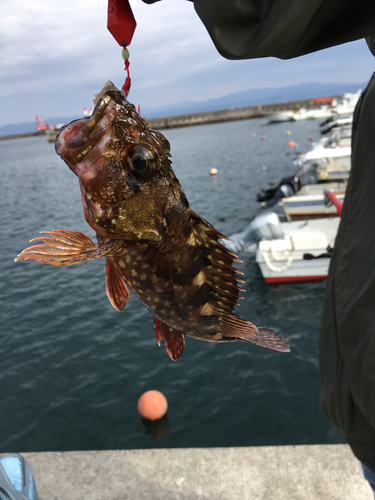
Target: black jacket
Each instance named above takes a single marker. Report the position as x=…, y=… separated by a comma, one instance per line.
x=288, y=28
x=244, y=29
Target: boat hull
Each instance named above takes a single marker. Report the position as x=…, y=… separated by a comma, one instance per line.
x=298, y=271
x=302, y=255
x=308, y=206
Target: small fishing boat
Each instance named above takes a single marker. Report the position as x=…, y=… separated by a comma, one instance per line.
x=52, y=134
x=302, y=253
x=309, y=201
x=286, y=252
x=329, y=164
x=281, y=116
x=313, y=113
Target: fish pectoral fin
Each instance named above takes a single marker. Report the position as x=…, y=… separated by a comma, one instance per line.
x=62, y=248
x=115, y=286
x=174, y=340
x=247, y=332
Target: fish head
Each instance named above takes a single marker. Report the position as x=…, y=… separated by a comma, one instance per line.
x=123, y=166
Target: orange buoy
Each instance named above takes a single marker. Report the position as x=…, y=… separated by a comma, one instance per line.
x=289, y=132
x=213, y=171
x=152, y=405
x=291, y=144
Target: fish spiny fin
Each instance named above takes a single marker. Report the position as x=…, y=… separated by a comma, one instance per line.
x=217, y=266
x=217, y=262
x=174, y=340
x=238, y=328
x=115, y=286
x=62, y=248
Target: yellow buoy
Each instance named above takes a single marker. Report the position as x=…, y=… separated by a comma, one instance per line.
x=213, y=171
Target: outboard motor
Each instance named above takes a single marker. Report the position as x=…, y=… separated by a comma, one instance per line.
x=288, y=186
x=263, y=227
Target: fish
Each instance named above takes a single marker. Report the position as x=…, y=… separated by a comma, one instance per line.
x=154, y=243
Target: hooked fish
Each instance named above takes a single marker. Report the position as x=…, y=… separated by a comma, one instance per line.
x=154, y=243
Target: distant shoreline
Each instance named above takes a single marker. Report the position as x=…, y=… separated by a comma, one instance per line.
x=19, y=136
x=206, y=117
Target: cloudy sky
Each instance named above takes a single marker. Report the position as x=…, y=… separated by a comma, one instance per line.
x=56, y=54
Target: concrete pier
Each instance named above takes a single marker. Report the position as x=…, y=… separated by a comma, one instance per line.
x=206, y=117
x=225, y=115
x=304, y=472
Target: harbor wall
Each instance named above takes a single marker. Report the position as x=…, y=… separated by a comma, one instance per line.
x=225, y=115
x=206, y=117
x=19, y=136
x=303, y=472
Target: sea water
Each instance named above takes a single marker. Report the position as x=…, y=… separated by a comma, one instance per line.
x=72, y=368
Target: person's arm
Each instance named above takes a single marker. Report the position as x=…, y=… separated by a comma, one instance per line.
x=244, y=29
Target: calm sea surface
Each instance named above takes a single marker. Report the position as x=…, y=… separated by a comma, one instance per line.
x=72, y=368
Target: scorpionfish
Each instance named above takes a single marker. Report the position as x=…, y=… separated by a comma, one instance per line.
x=154, y=243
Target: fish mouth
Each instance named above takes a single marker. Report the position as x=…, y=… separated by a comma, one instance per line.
x=80, y=130
x=108, y=86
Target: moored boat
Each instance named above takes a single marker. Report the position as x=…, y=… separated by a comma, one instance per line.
x=286, y=252
x=302, y=254
x=309, y=201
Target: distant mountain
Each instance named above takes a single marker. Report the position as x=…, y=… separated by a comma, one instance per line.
x=243, y=99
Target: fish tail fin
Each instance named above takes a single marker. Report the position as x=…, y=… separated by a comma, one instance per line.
x=62, y=248
x=270, y=339
x=246, y=331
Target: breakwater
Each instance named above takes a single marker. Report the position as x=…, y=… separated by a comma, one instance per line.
x=205, y=117
x=225, y=115
x=19, y=136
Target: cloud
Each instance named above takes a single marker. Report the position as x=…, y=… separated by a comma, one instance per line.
x=55, y=55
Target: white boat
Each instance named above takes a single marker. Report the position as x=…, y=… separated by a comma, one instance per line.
x=281, y=116
x=309, y=201
x=301, y=253
x=313, y=113
x=330, y=164
x=288, y=251
x=348, y=103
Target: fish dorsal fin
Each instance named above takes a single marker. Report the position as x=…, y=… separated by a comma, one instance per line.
x=115, y=286
x=217, y=263
x=224, y=291
x=174, y=340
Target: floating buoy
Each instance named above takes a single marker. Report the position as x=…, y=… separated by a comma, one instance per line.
x=213, y=171
x=289, y=132
x=264, y=168
x=253, y=135
x=291, y=144
x=263, y=137
x=152, y=405
x=310, y=138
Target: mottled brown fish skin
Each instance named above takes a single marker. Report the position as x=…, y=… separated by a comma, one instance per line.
x=166, y=253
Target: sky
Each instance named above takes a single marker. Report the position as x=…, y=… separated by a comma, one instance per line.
x=55, y=55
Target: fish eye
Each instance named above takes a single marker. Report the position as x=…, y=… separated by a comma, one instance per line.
x=141, y=162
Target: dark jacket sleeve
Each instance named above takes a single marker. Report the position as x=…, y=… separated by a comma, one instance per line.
x=244, y=29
